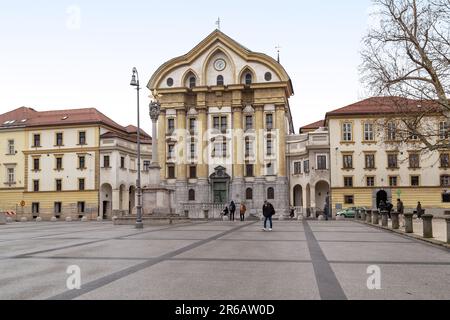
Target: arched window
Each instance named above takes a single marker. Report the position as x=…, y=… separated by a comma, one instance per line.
x=248, y=79
x=270, y=194
x=192, y=195
x=192, y=82
x=220, y=80
x=249, y=194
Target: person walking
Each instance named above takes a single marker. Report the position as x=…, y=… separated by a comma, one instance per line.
x=232, y=210
x=419, y=210
x=400, y=210
x=326, y=209
x=268, y=212
x=389, y=207
x=242, y=211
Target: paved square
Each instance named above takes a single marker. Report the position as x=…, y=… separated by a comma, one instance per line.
x=219, y=261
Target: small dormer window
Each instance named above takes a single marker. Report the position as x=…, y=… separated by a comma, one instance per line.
x=248, y=79
x=220, y=81
x=192, y=82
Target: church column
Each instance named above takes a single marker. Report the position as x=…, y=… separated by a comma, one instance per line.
x=202, y=144
x=259, y=131
x=181, y=145
x=281, y=139
x=238, y=159
x=162, y=143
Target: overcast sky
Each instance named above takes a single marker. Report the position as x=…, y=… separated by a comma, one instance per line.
x=75, y=54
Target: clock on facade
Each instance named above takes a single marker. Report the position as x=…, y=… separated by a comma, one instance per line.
x=220, y=64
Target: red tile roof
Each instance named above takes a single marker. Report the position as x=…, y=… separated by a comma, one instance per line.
x=385, y=105
x=132, y=138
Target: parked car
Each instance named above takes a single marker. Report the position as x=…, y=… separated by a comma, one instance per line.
x=350, y=212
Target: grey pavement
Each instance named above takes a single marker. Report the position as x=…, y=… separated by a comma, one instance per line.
x=219, y=261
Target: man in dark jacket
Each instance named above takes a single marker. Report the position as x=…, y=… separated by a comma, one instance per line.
x=232, y=210
x=268, y=212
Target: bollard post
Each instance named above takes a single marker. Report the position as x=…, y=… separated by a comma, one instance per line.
x=409, y=222
x=447, y=219
x=384, y=218
x=427, y=226
x=363, y=215
x=369, y=216
x=375, y=217
x=395, y=221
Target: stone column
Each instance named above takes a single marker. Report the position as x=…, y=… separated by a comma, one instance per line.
x=375, y=217
x=369, y=216
x=162, y=155
x=281, y=139
x=384, y=219
x=408, y=222
x=259, y=131
x=447, y=219
x=427, y=226
x=181, y=145
x=395, y=220
x=238, y=144
x=202, y=144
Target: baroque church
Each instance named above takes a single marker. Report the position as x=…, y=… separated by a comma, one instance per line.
x=224, y=119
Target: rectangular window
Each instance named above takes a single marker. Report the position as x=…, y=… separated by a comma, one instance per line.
x=192, y=150
x=171, y=151
x=445, y=181
x=414, y=160
x=248, y=148
x=36, y=164
x=171, y=172
x=347, y=134
x=443, y=130
x=348, y=161
x=269, y=121
x=81, y=184
x=192, y=125
x=297, y=167
x=223, y=124
x=224, y=149
x=81, y=162
x=415, y=181
x=248, y=123
x=368, y=132
x=82, y=138
x=270, y=169
x=348, y=182
x=59, y=165
x=216, y=123
x=306, y=166
x=59, y=139
x=249, y=170
x=446, y=197
x=11, y=176
x=81, y=207
x=370, y=181
x=349, y=199
x=35, y=208
x=393, y=161
x=146, y=165
x=170, y=126
x=36, y=140
x=321, y=162
x=58, y=185
x=122, y=162
x=36, y=185
x=445, y=160
x=269, y=146
x=370, y=161
x=393, y=181
x=193, y=172
x=11, y=149
x=58, y=208
x=391, y=131
x=106, y=163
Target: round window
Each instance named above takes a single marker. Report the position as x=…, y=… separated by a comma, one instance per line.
x=268, y=76
x=169, y=82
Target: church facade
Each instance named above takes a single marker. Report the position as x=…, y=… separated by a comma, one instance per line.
x=224, y=120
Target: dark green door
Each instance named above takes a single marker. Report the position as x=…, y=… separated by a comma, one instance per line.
x=220, y=192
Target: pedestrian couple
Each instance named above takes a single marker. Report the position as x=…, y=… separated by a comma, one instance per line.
x=232, y=210
x=268, y=213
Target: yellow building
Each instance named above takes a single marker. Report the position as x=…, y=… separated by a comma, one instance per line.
x=53, y=167
x=369, y=163
x=221, y=134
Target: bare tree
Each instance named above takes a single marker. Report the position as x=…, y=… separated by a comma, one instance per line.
x=407, y=57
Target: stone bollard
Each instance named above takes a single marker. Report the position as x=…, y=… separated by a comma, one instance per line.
x=9, y=220
x=447, y=219
x=369, y=216
x=54, y=219
x=281, y=218
x=300, y=217
x=84, y=219
x=363, y=215
x=69, y=219
x=395, y=221
x=226, y=218
x=99, y=219
x=427, y=226
x=23, y=219
x=375, y=217
x=385, y=218
x=409, y=222
x=321, y=218
x=38, y=219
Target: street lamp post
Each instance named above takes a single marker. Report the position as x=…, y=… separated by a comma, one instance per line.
x=135, y=83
